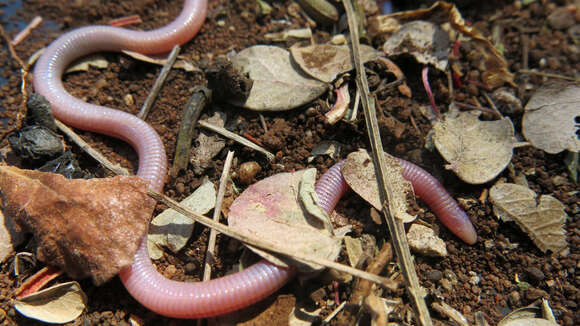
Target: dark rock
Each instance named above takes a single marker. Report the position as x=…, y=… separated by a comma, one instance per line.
x=535, y=274
x=434, y=275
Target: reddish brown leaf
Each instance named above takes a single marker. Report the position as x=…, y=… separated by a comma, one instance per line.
x=84, y=227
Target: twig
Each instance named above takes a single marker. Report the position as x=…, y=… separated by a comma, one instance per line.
x=159, y=83
x=547, y=74
x=396, y=227
x=126, y=21
x=209, y=256
x=199, y=99
x=115, y=168
x=228, y=134
x=26, y=31
x=263, y=121
x=386, y=282
x=334, y=313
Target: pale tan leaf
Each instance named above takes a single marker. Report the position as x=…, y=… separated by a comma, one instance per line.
x=529, y=322
x=422, y=240
x=171, y=229
x=278, y=84
x=85, y=227
x=551, y=118
x=543, y=222
x=272, y=211
x=477, y=151
x=10, y=237
x=94, y=61
x=325, y=61
x=359, y=173
x=425, y=41
x=59, y=304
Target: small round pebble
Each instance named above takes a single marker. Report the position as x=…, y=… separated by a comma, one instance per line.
x=247, y=172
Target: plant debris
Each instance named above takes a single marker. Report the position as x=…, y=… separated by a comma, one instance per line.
x=422, y=240
x=278, y=86
x=477, y=151
x=9, y=236
x=172, y=230
x=88, y=228
x=359, y=174
x=326, y=62
x=551, y=118
x=425, y=41
x=542, y=219
x=58, y=304
x=271, y=210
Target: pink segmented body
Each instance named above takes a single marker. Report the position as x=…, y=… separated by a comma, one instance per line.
x=332, y=186
x=166, y=297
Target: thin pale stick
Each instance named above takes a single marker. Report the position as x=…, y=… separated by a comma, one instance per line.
x=115, y=168
x=386, y=282
x=228, y=134
x=210, y=254
x=159, y=83
x=396, y=227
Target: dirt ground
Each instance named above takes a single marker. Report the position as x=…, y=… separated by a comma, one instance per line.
x=503, y=252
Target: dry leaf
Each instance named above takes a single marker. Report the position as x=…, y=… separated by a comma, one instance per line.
x=85, y=227
x=551, y=118
x=354, y=250
x=542, y=220
x=278, y=84
x=359, y=174
x=209, y=145
x=325, y=61
x=94, y=61
x=422, y=240
x=493, y=64
x=477, y=150
x=299, y=316
x=59, y=304
x=425, y=41
x=271, y=211
x=9, y=237
x=331, y=148
x=171, y=229
x=180, y=63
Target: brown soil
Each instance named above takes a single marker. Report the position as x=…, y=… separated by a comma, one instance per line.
x=235, y=25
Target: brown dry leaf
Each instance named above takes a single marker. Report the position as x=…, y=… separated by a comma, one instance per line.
x=59, y=304
x=278, y=84
x=359, y=173
x=543, y=220
x=493, y=64
x=477, y=151
x=271, y=210
x=551, y=118
x=425, y=41
x=326, y=61
x=85, y=227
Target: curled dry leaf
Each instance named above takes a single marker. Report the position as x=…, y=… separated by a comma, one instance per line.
x=425, y=41
x=272, y=211
x=84, y=227
x=94, y=61
x=551, y=118
x=542, y=220
x=359, y=173
x=61, y=303
x=326, y=61
x=492, y=63
x=171, y=229
x=477, y=151
x=278, y=84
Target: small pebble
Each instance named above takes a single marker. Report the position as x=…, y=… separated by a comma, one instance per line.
x=190, y=268
x=170, y=271
x=434, y=275
x=180, y=187
x=535, y=274
x=533, y=294
x=247, y=172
